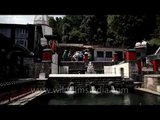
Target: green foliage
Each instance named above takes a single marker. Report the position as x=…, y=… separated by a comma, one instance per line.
x=56, y=25
x=74, y=35
x=154, y=41
x=66, y=28
x=129, y=28
x=110, y=30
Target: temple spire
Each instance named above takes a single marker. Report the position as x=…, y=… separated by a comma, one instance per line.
x=41, y=19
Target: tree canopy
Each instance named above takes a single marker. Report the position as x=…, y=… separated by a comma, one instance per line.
x=107, y=30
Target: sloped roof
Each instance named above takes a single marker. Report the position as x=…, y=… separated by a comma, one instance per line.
x=18, y=48
x=157, y=52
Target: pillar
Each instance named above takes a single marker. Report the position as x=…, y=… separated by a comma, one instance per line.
x=47, y=55
x=131, y=58
x=85, y=57
x=131, y=55
x=155, y=65
x=139, y=65
x=115, y=58
x=154, y=60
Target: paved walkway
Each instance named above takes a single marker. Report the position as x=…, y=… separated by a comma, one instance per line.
x=149, y=91
x=27, y=98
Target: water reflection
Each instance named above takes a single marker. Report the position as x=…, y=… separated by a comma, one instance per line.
x=127, y=100
x=114, y=91
x=93, y=90
x=135, y=98
x=71, y=90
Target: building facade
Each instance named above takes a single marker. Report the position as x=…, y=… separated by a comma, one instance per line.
x=27, y=36
x=106, y=54
x=18, y=42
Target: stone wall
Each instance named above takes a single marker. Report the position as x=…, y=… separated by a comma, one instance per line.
x=63, y=69
x=54, y=68
x=82, y=66
x=152, y=82
x=36, y=68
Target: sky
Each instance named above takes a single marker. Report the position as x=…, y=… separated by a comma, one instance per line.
x=20, y=19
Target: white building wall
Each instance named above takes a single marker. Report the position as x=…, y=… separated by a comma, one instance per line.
x=63, y=69
x=116, y=69
x=43, y=41
x=125, y=66
x=54, y=65
x=46, y=30
x=54, y=68
x=107, y=69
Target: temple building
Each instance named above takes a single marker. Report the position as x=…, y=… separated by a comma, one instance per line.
x=22, y=45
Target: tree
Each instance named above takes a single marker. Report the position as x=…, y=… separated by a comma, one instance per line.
x=74, y=36
x=113, y=30
x=56, y=25
x=95, y=27
x=128, y=29
x=156, y=32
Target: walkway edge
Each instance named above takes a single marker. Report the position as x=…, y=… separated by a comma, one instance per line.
x=27, y=98
x=148, y=91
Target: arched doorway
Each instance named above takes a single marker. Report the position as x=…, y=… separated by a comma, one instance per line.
x=15, y=64
x=15, y=56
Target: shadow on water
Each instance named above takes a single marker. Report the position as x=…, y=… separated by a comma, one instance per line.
x=133, y=98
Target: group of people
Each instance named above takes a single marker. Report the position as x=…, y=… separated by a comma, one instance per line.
x=77, y=56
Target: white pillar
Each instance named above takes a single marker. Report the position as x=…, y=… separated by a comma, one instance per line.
x=54, y=65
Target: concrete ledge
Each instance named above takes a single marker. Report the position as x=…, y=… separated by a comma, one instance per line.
x=152, y=75
x=27, y=98
x=148, y=91
x=83, y=75
x=41, y=78
x=26, y=79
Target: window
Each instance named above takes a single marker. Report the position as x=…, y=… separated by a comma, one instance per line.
x=108, y=54
x=22, y=42
x=100, y=54
x=21, y=33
